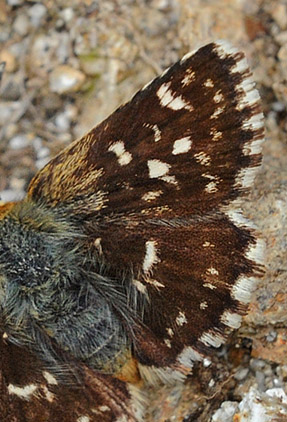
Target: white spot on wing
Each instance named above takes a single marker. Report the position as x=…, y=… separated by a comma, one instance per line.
x=167, y=342
x=181, y=319
x=211, y=187
x=167, y=99
x=256, y=251
x=169, y=179
x=50, y=378
x=218, y=97
x=157, y=132
x=181, y=145
x=224, y=49
x=22, y=392
x=212, y=339
x=150, y=196
x=151, y=257
x=48, y=395
x=188, y=356
x=236, y=216
x=203, y=305
x=140, y=286
x=157, y=168
x=217, y=112
x=212, y=271
x=246, y=176
x=209, y=286
x=170, y=332
x=123, y=156
x=207, y=244
x=243, y=288
x=83, y=419
x=188, y=77
x=231, y=319
x=216, y=134
x=154, y=282
x=202, y=158
x=209, y=83
x=104, y=408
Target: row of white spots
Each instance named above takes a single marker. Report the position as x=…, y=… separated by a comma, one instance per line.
x=202, y=158
x=181, y=145
x=156, y=130
x=167, y=99
x=124, y=157
x=248, y=96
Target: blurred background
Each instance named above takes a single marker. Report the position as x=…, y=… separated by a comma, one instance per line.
x=70, y=63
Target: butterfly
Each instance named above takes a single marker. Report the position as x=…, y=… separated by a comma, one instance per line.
x=129, y=259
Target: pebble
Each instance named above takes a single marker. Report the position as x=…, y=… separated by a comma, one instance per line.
x=67, y=14
x=279, y=14
x=258, y=407
x=62, y=122
x=241, y=374
x=65, y=79
x=10, y=195
x=9, y=59
x=18, y=142
x=15, y=2
x=7, y=109
x=21, y=25
x=36, y=14
x=226, y=412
